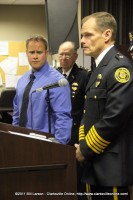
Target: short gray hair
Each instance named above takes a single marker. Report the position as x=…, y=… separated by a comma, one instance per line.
x=104, y=20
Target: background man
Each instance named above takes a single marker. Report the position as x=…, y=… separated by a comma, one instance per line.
x=77, y=78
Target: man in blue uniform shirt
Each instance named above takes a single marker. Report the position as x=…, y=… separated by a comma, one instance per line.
x=37, y=110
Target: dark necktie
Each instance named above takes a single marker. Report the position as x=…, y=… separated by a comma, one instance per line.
x=25, y=101
x=65, y=75
x=93, y=66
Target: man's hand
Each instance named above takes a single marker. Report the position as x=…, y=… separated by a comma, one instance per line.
x=79, y=155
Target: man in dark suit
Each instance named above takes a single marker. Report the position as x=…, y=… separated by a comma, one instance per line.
x=106, y=132
x=77, y=78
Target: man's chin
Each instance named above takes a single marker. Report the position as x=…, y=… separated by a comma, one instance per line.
x=86, y=53
x=36, y=68
x=64, y=66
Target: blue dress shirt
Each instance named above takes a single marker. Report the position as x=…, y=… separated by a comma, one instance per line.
x=37, y=111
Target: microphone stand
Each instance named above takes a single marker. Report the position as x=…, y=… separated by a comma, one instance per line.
x=49, y=111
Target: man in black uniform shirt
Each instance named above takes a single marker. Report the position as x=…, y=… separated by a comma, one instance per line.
x=106, y=132
x=130, y=50
x=77, y=78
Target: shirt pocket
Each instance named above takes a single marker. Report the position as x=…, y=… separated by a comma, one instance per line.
x=97, y=99
x=97, y=94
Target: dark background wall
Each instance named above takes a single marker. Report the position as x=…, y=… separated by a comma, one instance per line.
x=122, y=11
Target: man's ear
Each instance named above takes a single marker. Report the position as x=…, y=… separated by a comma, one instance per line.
x=107, y=34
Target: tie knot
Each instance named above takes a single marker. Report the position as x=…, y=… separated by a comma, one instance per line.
x=65, y=75
x=32, y=76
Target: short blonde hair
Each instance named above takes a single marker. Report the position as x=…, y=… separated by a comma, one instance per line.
x=37, y=38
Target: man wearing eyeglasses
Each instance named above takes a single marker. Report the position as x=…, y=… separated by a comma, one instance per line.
x=77, y=78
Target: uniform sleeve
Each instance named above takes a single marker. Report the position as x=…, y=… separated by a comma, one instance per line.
x=81, y=132
x=116, y=113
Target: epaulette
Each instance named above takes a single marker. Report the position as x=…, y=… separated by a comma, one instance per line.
x=80, y=67
x=88, y=70
x=119, y=56
x=83, y=68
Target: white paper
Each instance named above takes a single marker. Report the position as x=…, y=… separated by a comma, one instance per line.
x=34, y=136
x=4, y=48
x=11, y=80
x=9, y=65
x=23, y=61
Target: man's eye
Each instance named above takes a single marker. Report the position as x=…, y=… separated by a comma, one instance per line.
x=31, y=52
x=87, y=35
x=39, y=52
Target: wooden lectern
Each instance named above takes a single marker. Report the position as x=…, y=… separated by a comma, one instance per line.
x=34, y=168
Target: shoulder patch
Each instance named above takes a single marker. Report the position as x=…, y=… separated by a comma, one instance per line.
x=122, y=75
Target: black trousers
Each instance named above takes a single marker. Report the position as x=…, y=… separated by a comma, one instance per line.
x=81, y=187
x=108, y=193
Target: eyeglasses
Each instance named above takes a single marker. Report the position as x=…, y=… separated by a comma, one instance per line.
x=66, y=55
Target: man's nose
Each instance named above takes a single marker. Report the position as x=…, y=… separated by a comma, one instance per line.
x=64, y=56
x=82, y=40
x=35, y=55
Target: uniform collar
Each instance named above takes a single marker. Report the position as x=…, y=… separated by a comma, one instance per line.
x=100, y=57
x=68, y=72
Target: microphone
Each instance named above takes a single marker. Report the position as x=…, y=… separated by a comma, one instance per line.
x=61, y=83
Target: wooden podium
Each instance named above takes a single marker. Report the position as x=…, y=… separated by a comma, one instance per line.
x=32, y=168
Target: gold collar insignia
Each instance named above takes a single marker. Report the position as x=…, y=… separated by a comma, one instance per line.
x=98, y=80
